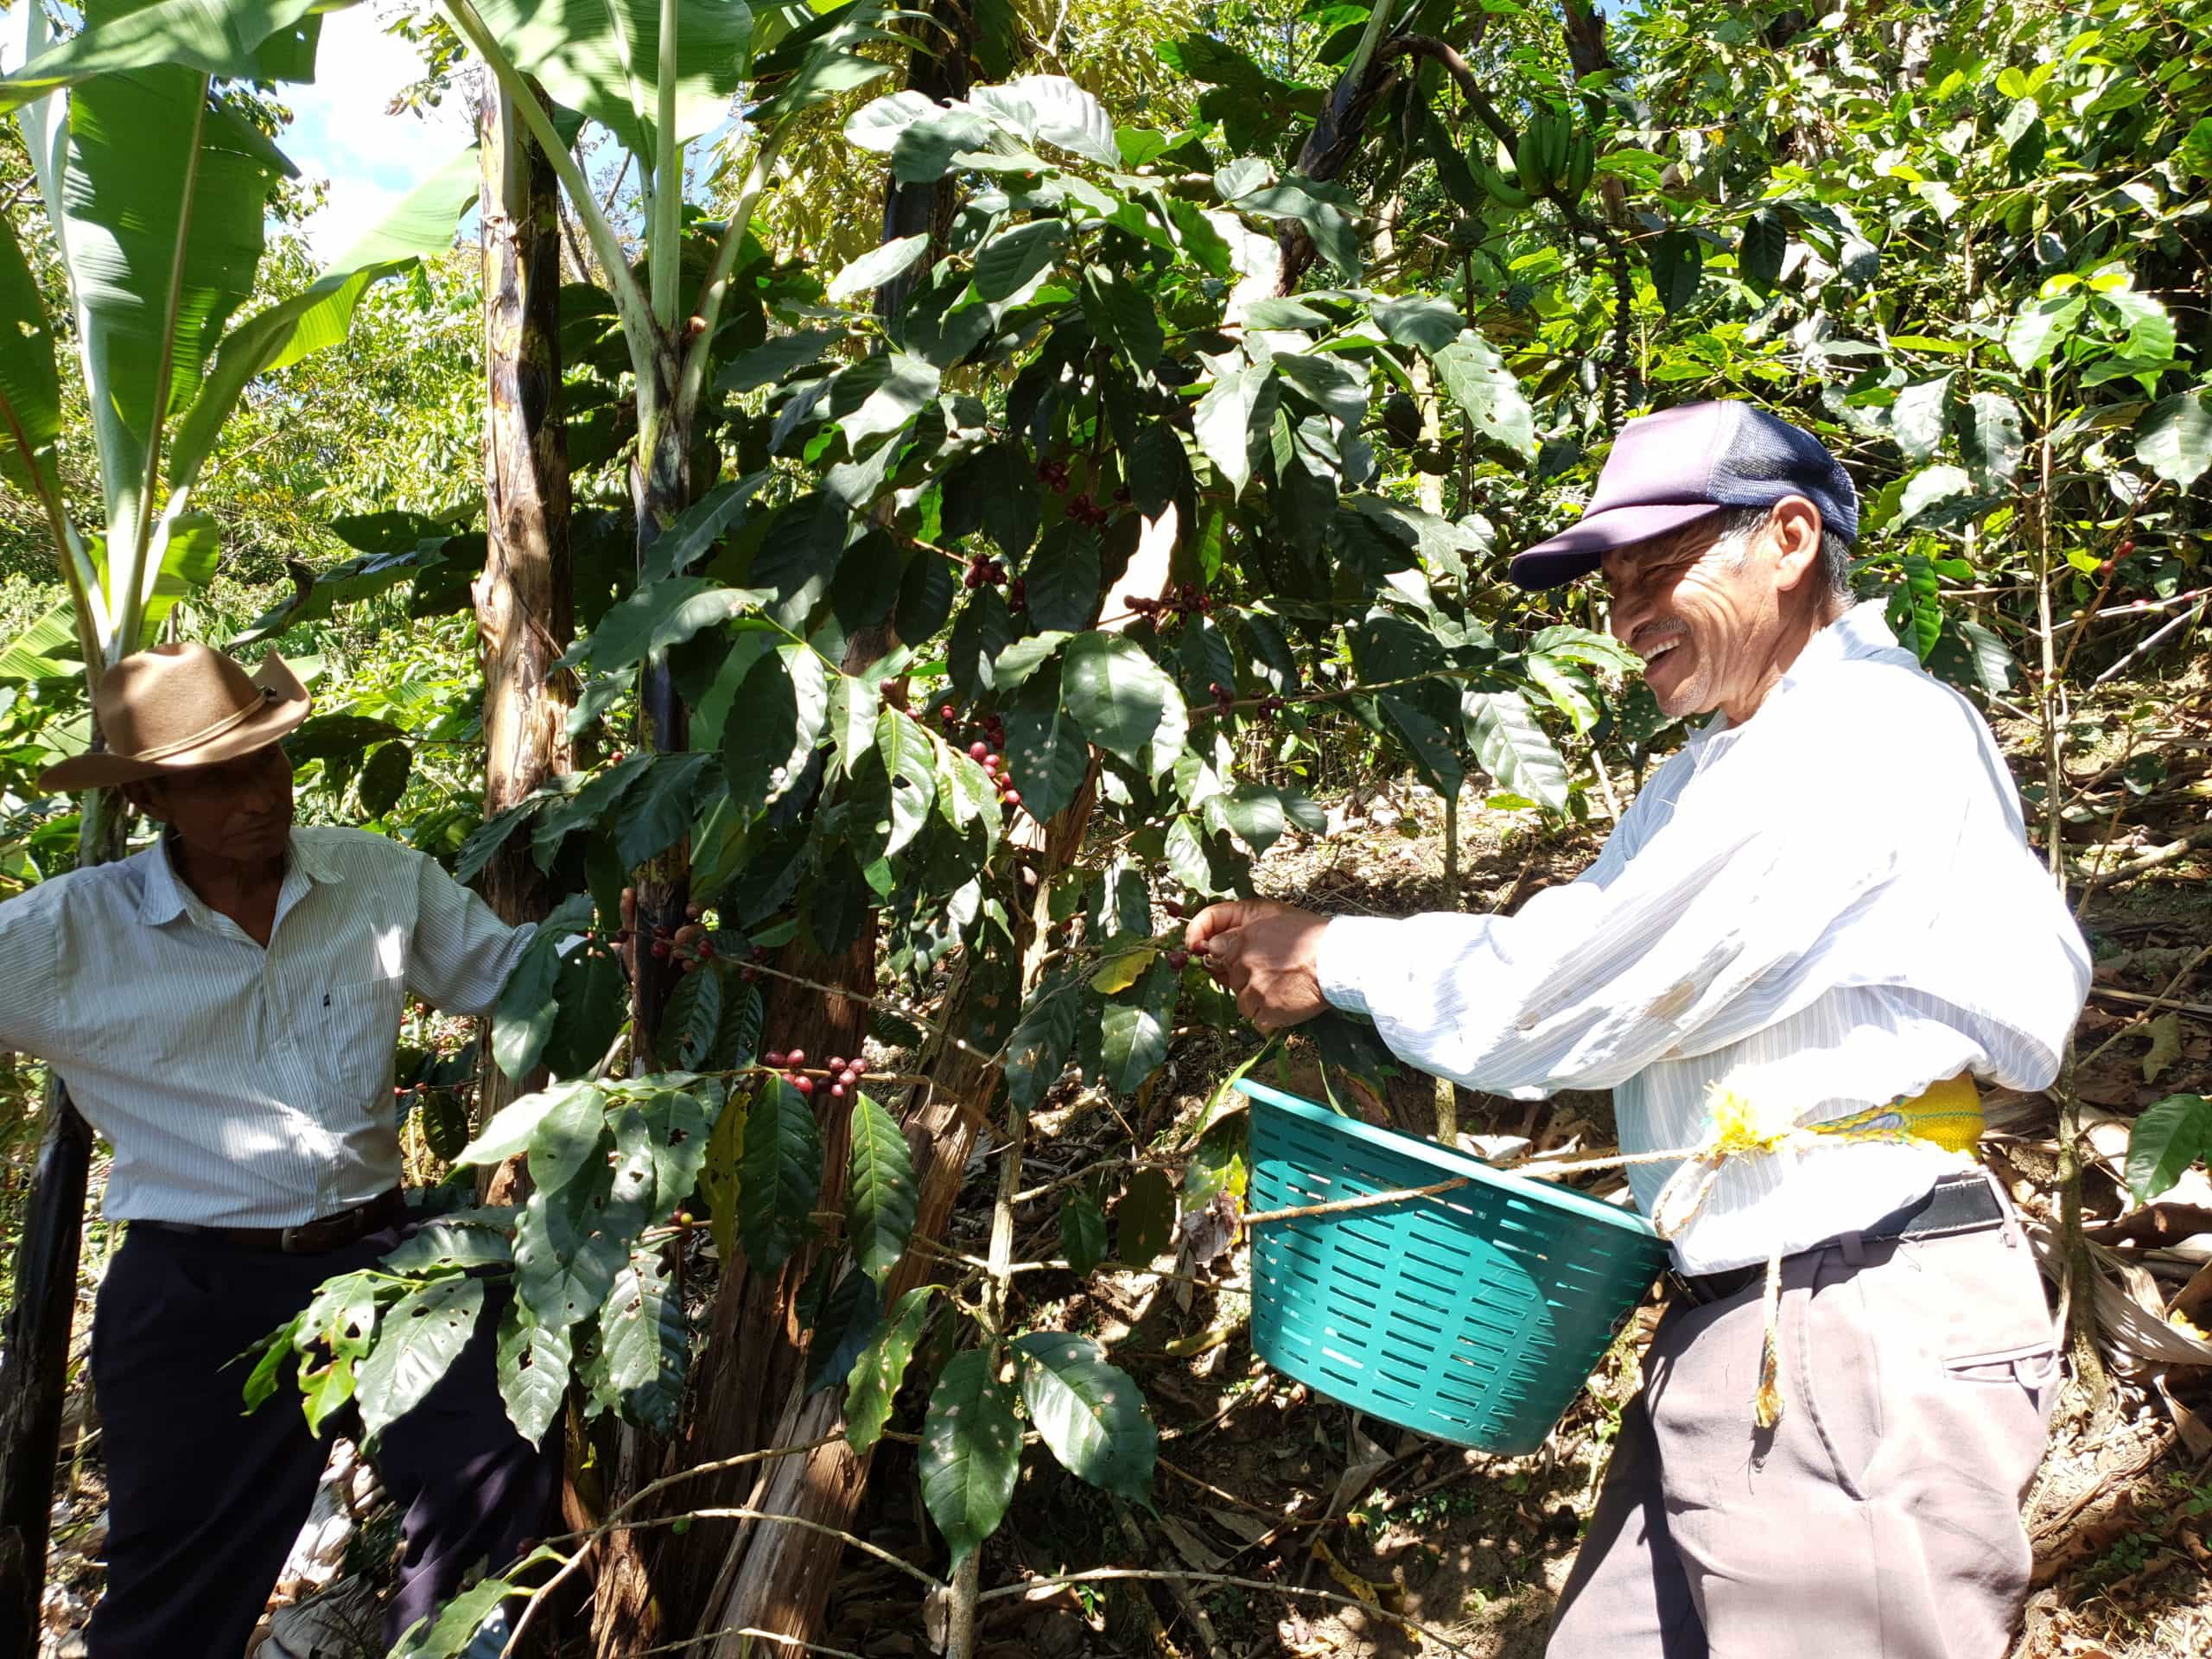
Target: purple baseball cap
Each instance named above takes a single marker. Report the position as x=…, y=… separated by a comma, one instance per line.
x=1682, y=465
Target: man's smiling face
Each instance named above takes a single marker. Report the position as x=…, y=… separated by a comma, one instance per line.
x=1708, y=613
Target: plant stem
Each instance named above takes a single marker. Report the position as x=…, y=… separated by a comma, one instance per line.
x=664, y=240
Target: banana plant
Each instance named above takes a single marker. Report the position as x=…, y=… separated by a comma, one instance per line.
x=655, y=74
x=156, y=186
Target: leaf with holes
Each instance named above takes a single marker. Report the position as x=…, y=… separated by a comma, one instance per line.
x=879, y=1193
x=872, y=1383
x=675, y=1127
x=1091, y=1414
x=1481, y=384
x=644, y=1344
x=972, y=1451
x=569, y=1137
x=1509, y=744
x=1991, y=440
x=854, y=705
x=2166, y=1140
x=421, y=1336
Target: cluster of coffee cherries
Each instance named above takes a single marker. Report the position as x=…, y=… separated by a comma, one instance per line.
x=844, y=1075
x=984, y=571
x=993, y=765
x=1052, y=474
x=1084, y=511
x=1176, y=604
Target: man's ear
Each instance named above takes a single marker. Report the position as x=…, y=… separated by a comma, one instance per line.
x=1795, y=526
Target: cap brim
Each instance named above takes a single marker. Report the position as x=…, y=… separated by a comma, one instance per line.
x=286, y=709
x=1579, y=549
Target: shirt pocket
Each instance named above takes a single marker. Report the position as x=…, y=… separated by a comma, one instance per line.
x=354, y=1033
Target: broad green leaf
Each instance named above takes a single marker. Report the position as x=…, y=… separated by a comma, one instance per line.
x=1134, y=1030
x=384, y=780
x=592, y=803
x=900, y=778
x=1053, y=108
x=2149, y=326
x=1231, y=418
x=1759, y=253
x=1508, y=744
x=1481, y=384
x=1038, y=1051
x=877, y=123
x=846, y=1321
x=1568, y=687
x=878, y=266
x=458, y=1622
x=1426, y=742
x=47, y=648
x=516, y=1124
x=972, y=1451
x=1083, y=1234
x=2174, y=440
x=533, y=1371
x=879, y=1191
x=573, y=1134
x=655, y=814
x=1007, y=264
x=30, y=388
x=164, y=199
x=1927, y=487
x=1918, y=418
x=908, y=383
x=644, y=1344
x=1091, y=1415
x=421, y=1336
x=1991, y=440
x=2041, y=328
x=781, y=1175
x=1045, y=754
x=1064, y=580
x=601, y=59
x=781, y=710
x=1336, y=384
x=1145, y=1218
x=523, y=1019
x=702, y=523
x=275, y=338
x=1420, y=321
x=441, y=1243
x=854, y=706
x=689, y=1023
x=1024, y=656
x=1121, y=314
x=666, y=613
x=720, y=1178
x=873, y=1381
x=2167, y=1139
x=1125, y=702
x=224, y=40
x=773, y=360
x=1677, y=265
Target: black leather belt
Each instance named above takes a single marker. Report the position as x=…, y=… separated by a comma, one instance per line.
x=1959, y=1204
x=330, y=1232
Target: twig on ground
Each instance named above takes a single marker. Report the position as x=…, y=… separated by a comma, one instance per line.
x=2198, y=837
x=2154, y=1003
x=1177, y=1587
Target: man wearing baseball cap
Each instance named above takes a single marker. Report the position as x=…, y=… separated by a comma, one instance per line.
x=223, y=1007
x=1824, y=906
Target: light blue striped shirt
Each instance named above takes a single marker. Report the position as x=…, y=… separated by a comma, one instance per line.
x=1826, y=908
x=240, y=1086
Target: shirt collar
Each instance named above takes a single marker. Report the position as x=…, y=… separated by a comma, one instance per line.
x=1862, y=631
x=165, y=896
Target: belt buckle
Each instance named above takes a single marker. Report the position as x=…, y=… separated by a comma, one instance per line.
x=292, y=1241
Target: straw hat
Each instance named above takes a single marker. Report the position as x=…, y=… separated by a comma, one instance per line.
x=177, y=707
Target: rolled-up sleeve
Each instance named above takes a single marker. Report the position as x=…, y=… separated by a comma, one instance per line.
x=30, y=977
x=462, y=953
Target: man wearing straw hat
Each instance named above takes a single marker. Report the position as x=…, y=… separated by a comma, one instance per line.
x=223, y=1007
x=1822, y=913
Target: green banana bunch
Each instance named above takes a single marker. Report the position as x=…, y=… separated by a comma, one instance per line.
x=1506, y=191
x=1540, y=157
x=1581, y=165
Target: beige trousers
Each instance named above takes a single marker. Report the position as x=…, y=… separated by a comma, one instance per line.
x=1880, y=1518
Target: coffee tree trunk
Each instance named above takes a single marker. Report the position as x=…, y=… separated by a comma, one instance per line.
x=525, y=614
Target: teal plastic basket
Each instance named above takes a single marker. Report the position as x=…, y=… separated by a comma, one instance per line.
x=1475, y=1316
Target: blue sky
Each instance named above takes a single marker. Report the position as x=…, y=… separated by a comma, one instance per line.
x=342, y=133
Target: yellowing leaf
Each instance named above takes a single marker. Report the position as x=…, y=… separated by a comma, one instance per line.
x=1119, y=973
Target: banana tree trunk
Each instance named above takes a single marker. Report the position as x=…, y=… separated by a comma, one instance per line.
x=660, y=488
x=525, y=614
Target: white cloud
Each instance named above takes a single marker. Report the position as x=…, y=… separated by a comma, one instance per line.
x=343, y=134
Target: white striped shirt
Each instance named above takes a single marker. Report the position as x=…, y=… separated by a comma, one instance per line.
x=240, y=1086
x=1826, y=908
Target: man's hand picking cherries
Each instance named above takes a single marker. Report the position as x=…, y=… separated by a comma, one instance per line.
x=1267, y=953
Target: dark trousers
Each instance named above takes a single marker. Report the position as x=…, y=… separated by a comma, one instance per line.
x=205, y=1499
